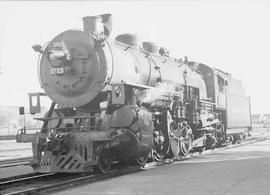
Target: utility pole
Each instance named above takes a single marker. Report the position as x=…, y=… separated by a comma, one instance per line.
x=8, y=124
x=24, y=128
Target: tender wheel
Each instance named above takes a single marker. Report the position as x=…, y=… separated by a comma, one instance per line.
x=201, y=149
x=229, y=140
x=233, y=139
x=104, y=159
x=210, y=142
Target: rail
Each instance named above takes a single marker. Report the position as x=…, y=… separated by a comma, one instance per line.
x=15, y=162
x=50, y=182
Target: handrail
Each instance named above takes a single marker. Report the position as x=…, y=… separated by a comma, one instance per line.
x=72, y=117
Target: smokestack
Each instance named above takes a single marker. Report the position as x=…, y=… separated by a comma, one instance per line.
x=93, y=24
x=107, y=21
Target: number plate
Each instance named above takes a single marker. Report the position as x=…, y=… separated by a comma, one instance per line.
x=59, y=70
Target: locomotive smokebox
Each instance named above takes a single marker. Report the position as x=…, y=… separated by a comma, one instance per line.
x=93, y=24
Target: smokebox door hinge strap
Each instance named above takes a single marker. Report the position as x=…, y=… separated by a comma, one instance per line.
x=45, y=123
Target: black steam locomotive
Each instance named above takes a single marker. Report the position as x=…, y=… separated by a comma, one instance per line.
x=123, y=100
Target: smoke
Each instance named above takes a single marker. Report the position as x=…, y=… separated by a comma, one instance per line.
x=149, y=32
x=160, y=91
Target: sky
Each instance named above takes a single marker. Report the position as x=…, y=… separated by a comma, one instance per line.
x=233, y=36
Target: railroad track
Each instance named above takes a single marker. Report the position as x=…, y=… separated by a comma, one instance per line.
x=49, y=182
x=15, y=162
x=35, y=183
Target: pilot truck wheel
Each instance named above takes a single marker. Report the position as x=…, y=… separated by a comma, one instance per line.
x=104, y=159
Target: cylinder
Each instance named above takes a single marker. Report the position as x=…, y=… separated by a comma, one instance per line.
x=93, y=24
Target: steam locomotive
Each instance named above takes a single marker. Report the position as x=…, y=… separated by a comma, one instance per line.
x=126, y=101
